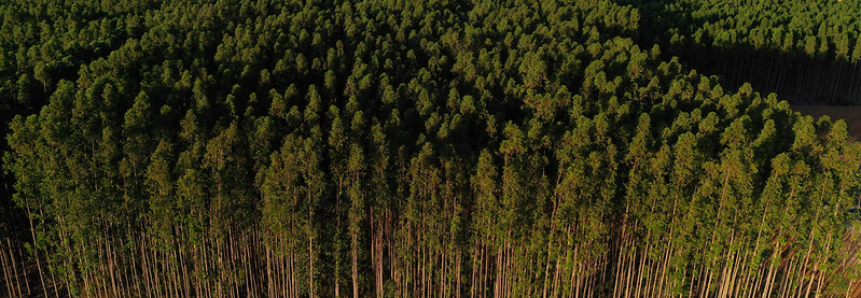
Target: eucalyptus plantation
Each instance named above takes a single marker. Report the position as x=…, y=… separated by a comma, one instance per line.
x=441, y=149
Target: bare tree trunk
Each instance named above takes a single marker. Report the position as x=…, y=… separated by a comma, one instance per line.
x=7, y=277
x=35, y=247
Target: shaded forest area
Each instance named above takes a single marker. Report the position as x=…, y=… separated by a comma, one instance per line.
x=805, y=51
x=796, y=79
x=385, y=148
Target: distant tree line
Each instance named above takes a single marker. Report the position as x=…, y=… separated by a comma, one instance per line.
x=402, y=149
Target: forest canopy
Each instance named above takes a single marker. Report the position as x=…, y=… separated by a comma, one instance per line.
x=388, y=148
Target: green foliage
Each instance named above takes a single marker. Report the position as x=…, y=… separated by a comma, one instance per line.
x=419, y=148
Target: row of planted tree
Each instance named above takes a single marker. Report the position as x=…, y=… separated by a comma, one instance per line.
x=400, y=149
x=516, y=233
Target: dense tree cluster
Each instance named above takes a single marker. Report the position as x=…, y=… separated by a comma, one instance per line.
x=404, y=149
x=804, y=50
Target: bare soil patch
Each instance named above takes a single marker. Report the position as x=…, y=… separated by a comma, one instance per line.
x=850, y=114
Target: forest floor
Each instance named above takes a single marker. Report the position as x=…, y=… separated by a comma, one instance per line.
x=850, y=114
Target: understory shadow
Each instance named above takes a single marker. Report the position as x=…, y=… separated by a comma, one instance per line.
x=795, y=76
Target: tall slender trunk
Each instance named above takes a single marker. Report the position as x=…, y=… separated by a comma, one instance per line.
x=35, y=246
x=355, y=265
x=7, y=277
